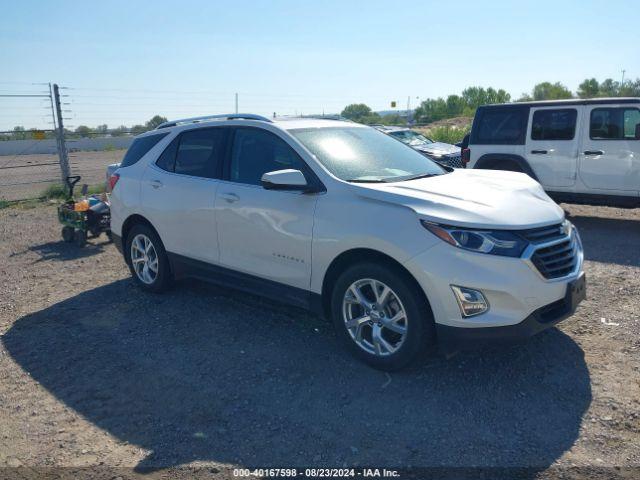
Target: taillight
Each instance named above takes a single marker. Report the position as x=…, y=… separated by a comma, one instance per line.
x=113, y=179
x=466, y=156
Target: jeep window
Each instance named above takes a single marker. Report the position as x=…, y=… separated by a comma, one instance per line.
x=200, y=152
x=256, y=152
x=631, y=123
x=359, y=154
x=500, y=126
x=554, y=124
x=410, y=138
x=140, y=147
x=615, y=123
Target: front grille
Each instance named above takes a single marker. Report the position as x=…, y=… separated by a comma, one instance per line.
x=544, y=234
x=557, y=260
x=454, y=160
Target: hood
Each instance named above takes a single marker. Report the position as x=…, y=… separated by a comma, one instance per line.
x=437, y=148
x=472, y=198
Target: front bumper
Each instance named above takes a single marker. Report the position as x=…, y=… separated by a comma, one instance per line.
x=456, y=338
x=513, y=287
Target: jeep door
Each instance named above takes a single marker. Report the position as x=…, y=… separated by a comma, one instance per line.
x=610, y=153
x=552, y=144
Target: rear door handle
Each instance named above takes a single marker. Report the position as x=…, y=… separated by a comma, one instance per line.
x=539, y=152
x=230, y=197
x=593, y=152
x=156, y=184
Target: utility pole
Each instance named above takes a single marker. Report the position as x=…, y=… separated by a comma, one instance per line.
x=62, y=146
x=622, y=83
x=236, y=103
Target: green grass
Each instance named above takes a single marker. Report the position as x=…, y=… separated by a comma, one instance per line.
x=4, y=204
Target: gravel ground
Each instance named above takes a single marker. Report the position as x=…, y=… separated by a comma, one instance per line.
x=94, y=372
x=26, y=176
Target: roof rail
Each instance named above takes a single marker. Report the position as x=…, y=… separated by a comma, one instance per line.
x=225, y=116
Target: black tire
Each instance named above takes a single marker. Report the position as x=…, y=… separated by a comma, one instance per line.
x=67, y=234
x=109, y=235
x=163, y=278
x=420, y=327
x=80, y=238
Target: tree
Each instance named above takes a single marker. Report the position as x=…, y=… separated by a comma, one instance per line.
x=589, y=88
x=103, y=129
x=19, y=133
x=155, y=121
x=551, y=91
x=630, y=88
x=120, y=131
x=137, y=129
x=356, y=111
x=83, y=130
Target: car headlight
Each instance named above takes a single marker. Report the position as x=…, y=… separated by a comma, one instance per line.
x=494, y=242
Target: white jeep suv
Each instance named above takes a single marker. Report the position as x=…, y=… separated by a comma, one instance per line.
x=342, y=219
x=581, y=151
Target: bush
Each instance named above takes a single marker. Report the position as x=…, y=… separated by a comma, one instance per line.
x=447, y=134
x=57, y=191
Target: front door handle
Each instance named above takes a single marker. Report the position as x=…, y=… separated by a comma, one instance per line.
x=230, y=197
x=593, y=152
x=156, y=184
x=539, y=152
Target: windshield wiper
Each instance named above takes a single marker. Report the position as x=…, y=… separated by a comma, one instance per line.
x=416, y=177
x=363, y=180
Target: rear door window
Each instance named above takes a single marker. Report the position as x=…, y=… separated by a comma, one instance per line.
x=500, y=126
x=200, y=152
x=140, y=147
x=554, y=124
x=614, y=123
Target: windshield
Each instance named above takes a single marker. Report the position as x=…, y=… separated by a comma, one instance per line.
x=411, y=138
x=359, y=154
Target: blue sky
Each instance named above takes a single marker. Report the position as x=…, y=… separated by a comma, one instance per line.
x=125, y=61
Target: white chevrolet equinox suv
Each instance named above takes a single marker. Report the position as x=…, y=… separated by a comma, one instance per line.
x=344, y=220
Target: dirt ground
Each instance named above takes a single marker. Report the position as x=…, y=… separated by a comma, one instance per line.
x=26, y=176
x=94, y=372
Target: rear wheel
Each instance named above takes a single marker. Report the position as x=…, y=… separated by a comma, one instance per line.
x=381, y=316
x=80, y=238
x=147, y=259
x=67, y=234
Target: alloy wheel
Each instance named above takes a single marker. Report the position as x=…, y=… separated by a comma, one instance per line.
x=144, y=259
x=374, y=317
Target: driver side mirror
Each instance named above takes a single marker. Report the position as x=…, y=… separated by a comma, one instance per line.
x=288, y=179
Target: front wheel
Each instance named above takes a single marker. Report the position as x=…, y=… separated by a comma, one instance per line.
x=381, y=316
x=147, y=259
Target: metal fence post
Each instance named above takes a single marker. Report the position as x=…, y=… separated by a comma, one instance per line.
x=65, y=171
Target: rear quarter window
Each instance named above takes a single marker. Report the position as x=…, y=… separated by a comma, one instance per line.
x=500, y=126
x=140, y=147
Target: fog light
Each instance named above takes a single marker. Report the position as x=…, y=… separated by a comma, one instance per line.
x=471, y=302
